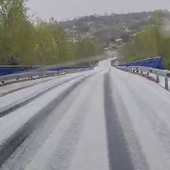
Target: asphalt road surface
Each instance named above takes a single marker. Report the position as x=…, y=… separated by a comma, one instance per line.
x=102, y=119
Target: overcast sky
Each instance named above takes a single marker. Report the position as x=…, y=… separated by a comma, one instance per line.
x=63, y=9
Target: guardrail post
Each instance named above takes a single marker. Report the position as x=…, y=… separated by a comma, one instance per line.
x=166, y=83
x=157, y=78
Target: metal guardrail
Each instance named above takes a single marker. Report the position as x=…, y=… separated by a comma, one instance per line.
x=27, y=75
x=36, y=74
x=154, y=62
x=147, y=71
x=7, y=70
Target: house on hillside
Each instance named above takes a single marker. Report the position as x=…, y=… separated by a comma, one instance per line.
x=119, y=41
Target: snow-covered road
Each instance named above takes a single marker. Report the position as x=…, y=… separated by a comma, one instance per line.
x=103, y=119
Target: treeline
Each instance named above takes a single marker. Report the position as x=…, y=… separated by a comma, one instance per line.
x=109, y=27
x=153, y=41
x=26, y=41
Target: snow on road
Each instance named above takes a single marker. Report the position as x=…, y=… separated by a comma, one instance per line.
x=111, y=120
x=21, y=116
x=6, y=89
x=27, y=93
x=146, y=107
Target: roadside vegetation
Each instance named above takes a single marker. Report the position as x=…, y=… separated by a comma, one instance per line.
x=28, y=41
x=153, y=40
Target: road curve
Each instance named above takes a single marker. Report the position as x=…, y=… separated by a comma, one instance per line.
x=104, y=119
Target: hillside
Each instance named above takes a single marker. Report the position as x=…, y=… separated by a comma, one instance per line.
x=110, y=27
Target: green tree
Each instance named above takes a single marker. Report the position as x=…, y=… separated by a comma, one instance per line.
x=39, y=42
x=15, y=29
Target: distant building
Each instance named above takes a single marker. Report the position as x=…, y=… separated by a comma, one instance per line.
x=72, y=39
x=86, y=35
x=126, y=30
x=119, y=41
x=138, y=33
